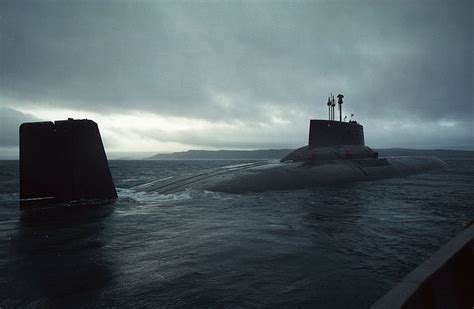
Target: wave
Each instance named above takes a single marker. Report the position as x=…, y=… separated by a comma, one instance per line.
x=152, y=197
x=155, y=197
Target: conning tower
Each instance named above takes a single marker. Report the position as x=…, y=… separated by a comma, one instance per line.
x=331, y=139
x=324, y=133
x=63, y=161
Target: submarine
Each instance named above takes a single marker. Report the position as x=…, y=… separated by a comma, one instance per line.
x=336, y=153
x=65, y=161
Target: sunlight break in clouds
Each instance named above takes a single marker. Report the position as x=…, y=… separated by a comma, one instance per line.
x=148, y=132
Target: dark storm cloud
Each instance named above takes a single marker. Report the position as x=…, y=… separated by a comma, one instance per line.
x=393, y=60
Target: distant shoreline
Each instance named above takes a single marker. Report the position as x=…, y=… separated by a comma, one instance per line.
x=272, y=154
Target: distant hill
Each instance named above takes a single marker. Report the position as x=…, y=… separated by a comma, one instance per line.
x=112, y=155
x=264, y=154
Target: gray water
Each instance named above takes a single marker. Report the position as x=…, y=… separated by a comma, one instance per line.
x=337, y=247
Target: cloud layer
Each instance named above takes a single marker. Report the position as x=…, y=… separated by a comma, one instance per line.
x=253, y=71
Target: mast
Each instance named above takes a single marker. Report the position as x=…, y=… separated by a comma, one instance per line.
x=339, y=101
x=329, y=107
x=333, y=104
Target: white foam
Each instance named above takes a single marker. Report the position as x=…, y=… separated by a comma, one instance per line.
x=153, y=197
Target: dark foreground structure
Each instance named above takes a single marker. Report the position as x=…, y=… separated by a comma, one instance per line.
x=63, y=161
x=445, y=280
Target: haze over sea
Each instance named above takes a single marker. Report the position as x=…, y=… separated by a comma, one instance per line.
x=331, y=247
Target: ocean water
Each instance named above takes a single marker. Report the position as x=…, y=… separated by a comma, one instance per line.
x=330, y=247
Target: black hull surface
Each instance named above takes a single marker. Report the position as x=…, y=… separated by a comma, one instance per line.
x=276, y=175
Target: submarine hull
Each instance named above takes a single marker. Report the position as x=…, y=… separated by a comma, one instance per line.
x=276, y=175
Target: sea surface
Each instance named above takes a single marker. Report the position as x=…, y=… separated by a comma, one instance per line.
x=328, y=247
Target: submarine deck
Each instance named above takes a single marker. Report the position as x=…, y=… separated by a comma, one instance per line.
x=275, y=175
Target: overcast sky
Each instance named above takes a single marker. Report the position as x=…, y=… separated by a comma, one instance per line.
x=174, y=75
